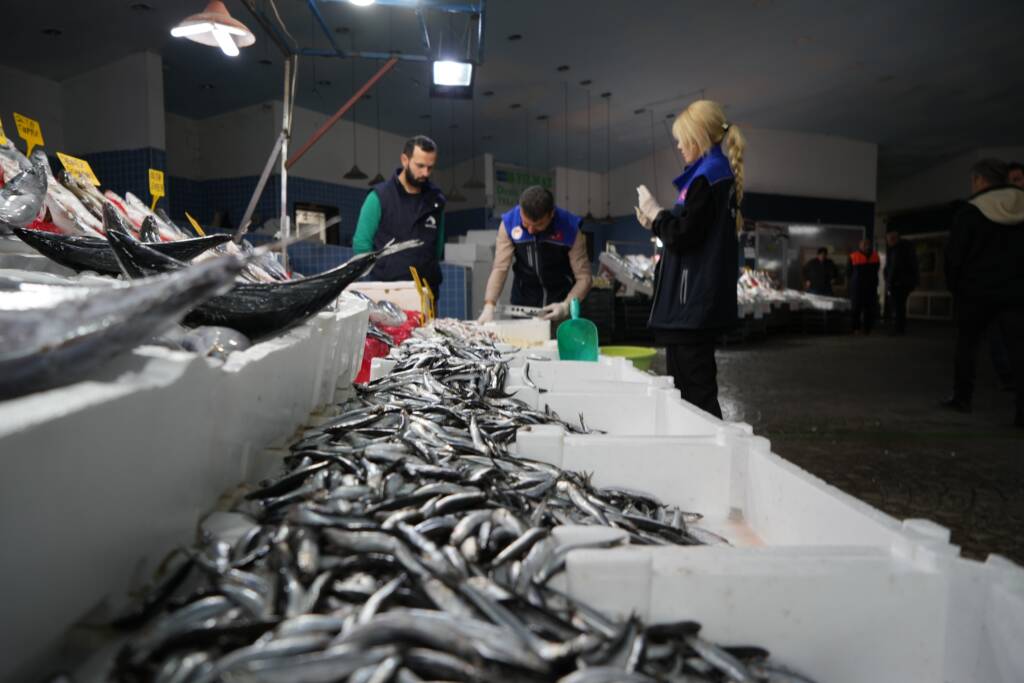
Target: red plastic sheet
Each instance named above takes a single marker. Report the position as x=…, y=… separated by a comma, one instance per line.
x=374, y=348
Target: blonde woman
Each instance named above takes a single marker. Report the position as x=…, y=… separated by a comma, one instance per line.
x=695, y=287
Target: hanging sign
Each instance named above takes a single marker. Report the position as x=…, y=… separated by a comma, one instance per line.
x=510, y=181
x=29, y=131
x=156, y=186
x=78, y=167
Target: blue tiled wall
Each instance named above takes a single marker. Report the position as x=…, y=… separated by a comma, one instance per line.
x=128, y=170
x=460, y=222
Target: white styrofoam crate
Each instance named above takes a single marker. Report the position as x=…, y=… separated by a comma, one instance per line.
x=746, y=493
x=528, y=333
x=402, y=293
x=813, y=574
x=100, y=478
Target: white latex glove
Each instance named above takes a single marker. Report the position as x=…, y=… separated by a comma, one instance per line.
x=649, y=206
x=644, y=221
x=556, y=312
x=486, y=315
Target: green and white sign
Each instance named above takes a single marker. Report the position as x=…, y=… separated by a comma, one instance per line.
x=510, y=181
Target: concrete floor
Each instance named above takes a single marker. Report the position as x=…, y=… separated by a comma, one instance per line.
x=861, y=413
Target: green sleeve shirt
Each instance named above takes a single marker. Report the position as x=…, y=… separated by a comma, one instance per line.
x=369, y=222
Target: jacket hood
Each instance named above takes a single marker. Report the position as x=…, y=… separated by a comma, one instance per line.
x=1003, y=205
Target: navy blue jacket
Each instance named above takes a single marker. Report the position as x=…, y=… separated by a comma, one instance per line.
x=695, y=285
x=407, y=216
x=543, y=272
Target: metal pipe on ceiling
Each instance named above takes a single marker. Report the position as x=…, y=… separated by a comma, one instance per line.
x=329, y=123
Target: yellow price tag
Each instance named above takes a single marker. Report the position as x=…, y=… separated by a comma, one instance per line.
x=78, y=167
x=156, y=186
x=3, y=138
x=29, y=131
x=195, y=224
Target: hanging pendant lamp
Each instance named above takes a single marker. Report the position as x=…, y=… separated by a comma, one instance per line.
x=453, y=195
x=377, y=179
x=608, y=157
x=354, y=173
x=215, y=26
x=474, y=182
x=590, y=216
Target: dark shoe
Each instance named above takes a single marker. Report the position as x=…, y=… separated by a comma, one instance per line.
x=958, y=404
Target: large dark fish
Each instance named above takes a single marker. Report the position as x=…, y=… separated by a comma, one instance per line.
x=84, y=253
x=22, y=197
x=51, y=335
x=257, y=309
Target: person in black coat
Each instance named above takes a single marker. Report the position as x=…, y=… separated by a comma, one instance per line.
x=695, y=284
x=864, y=265
x=901, y=277
x=819, y=274
x=985, y=273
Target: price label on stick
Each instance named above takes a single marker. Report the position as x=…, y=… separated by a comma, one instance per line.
x=29, y=131
x=78, y=167
x=195, y=224
x=3, y=138
x=156, y=186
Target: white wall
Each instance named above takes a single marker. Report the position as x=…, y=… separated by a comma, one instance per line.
x=941, y=183
x=37, y=98
x=775, y=162
x=118, y=106
x=237, y=143
x=572, y=187
x=184, y=147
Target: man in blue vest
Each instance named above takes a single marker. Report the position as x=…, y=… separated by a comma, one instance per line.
x=407, y=206
x=548, y=254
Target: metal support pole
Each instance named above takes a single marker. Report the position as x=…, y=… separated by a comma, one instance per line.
x=338, y=114
x=290, y=67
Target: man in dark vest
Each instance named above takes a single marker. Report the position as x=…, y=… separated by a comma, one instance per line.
x=407, y=206
x=547, y=252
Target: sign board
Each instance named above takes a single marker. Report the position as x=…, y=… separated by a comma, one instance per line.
x=29, y=131
x=78, y=167
x=510, y=181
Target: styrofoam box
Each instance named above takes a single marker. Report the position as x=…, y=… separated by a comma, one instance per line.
x=468, y=252
x=401, y=293
x=523, y=333
x=826, y=582
x=100, y=478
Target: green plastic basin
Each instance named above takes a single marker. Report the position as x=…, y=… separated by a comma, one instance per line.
x=640, y=356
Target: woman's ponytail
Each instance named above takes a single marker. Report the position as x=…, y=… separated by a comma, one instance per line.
x=734, y=144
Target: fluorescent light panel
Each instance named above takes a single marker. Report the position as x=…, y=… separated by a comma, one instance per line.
x=459, y=74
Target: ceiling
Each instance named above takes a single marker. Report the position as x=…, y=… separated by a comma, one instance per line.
x=925, y=79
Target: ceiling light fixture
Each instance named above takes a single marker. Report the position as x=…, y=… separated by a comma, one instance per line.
x=451, y=73
x=362, y=3
x=215, y=27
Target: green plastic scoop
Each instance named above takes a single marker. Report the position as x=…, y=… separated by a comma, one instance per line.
x=577, y=338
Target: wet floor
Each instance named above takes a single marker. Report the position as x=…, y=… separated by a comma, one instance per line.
x=861, y=413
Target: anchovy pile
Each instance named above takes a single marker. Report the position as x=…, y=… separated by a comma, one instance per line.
x=404, y=543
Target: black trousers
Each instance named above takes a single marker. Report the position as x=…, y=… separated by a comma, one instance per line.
x=865, y=311
x=898, y=304
x=691, y=363
x=974, y=318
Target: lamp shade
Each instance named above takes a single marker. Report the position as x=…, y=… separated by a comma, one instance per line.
x=355, y=173
x=215, y=27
